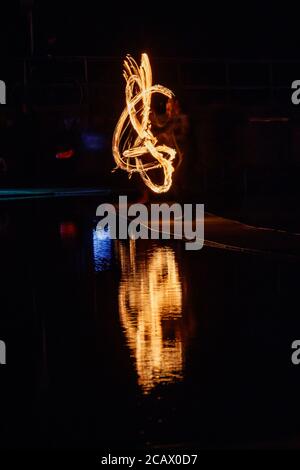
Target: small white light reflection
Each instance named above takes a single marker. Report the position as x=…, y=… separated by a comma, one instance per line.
x=103, y=233
x=102, y=248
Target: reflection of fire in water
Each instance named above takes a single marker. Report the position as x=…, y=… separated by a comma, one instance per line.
x=150, y=305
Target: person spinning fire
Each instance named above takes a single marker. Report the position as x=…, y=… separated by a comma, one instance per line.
x=172, y=129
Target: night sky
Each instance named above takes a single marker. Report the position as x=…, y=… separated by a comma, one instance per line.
x=247, y=30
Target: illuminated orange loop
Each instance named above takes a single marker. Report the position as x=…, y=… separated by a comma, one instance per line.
x=128, y=146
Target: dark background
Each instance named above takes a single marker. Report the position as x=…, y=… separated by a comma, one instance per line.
x=194, y=29
x=70, y=380
x=231, y=65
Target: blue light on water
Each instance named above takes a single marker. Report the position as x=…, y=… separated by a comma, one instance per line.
x=103, y=249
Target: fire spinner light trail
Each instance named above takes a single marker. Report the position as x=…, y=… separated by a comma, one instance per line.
x=136, y=149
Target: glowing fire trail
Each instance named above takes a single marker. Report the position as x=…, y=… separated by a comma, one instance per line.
x=130, y=145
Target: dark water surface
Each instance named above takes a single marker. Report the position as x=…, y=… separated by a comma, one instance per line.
x=140, y=343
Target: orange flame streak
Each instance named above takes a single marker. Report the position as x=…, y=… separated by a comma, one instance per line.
x=129, y=150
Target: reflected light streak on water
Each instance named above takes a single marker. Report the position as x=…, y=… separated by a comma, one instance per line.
x=150, y=307
x=102, y=249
